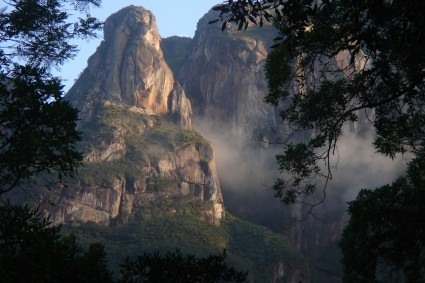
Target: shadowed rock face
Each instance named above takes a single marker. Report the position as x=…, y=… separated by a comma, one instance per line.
x=128, y=67
x=224, y=78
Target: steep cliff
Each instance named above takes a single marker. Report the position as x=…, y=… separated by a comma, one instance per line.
x=136, y=125
x=223, y=76
x=128, y=67
x=224, y=79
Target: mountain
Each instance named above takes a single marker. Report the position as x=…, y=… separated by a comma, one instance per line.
x=149, y=181
x=136, y=122
x=223, y=76
x=121, y=71
x=224, y=79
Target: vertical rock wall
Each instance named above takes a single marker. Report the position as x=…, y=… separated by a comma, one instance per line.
x=136, y=124
x=128, y=67
x=224, y=78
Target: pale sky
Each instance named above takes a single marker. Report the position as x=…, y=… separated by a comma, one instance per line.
x=172, y=18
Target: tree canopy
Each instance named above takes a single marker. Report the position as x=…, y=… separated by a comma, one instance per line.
x=384, y=239
x=334, y=59
x=32, y=250
x=37, y=126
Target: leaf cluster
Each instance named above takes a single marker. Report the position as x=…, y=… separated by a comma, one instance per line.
x=245, y=12
x=384, y=239
x=333, y=60
x=37, y=126
x=39, y=32
x=37, y=134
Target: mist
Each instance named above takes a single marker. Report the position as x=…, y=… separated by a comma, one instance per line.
x=247, y=169
x=359, y=166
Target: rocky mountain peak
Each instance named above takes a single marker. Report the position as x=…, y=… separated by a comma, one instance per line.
x=133, y=20
x=224, y=78
x=129, y=68
x=136, y=132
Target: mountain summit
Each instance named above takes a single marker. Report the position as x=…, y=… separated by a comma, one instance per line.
x=129, y=68
x=136, y=125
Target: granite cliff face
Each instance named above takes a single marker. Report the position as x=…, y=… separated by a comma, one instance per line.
x=224, y=78
x=136, y=125
x=128, y=67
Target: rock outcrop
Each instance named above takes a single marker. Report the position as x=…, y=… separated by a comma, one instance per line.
x=136, y=125
x=128, y=67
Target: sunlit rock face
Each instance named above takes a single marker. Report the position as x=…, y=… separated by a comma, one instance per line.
x=128, y=67
x=225, y=81
x=136, y=127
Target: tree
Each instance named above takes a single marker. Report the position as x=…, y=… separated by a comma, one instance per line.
x=382, y=42
x=37, y=126
x=333, y=60
x=175, y=267
x=32, y=250
x=384, y=239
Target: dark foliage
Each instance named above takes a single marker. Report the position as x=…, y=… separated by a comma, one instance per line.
x=37, y=134
x=32, y=250
x=385, y=238
x=37, y=127
x=382, y=45
x=333, y=60
x=175, y=267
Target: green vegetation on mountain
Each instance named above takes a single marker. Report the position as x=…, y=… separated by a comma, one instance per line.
x=34, y=250
x=173, y=223
x=144, y=138
x=157, y=129
x=37, y=132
